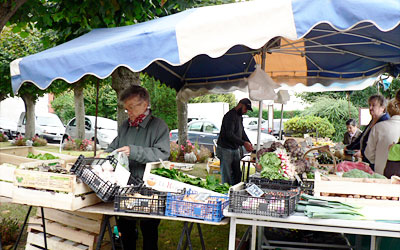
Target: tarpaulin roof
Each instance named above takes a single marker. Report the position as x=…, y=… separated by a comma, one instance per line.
x=335, y=43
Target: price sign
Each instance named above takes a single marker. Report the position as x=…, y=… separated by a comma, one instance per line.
x=254, y=190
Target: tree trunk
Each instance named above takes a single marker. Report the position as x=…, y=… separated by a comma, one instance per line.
x=29, y=102
x=182, y=122
x=122, y=78
x=79, y=110
x=8, y=9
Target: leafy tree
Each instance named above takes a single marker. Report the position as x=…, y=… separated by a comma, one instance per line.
x=300, y=125
x=287, y=114
x=163, y=100
x=13, y=46
x=229, y=98
x=336, y=111
x=63, y=104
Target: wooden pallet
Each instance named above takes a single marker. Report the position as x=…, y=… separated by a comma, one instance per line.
x=6, y=180
x=332, y=184
x=53, y=242
x=84, y=221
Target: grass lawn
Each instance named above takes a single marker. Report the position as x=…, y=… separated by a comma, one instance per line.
x=215, y=237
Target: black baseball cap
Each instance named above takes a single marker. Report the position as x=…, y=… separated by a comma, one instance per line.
x=246, y=102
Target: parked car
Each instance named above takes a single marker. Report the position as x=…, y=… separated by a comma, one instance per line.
x=48, y=126
x=204, y=132
x=106, y=130
x=252, y=123
x=275, y=130
x=8, y=127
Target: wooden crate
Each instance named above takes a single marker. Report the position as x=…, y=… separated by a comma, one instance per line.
x=24, y=177
x=6, y=179
x=22, y=151
x=212, y=168
x=332, y=184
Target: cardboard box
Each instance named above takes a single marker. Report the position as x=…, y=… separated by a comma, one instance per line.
x=213, y=169
x=168, y=185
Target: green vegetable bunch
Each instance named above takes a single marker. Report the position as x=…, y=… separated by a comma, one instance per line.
x=271, y=167
x=211, y=182
x=46, y=156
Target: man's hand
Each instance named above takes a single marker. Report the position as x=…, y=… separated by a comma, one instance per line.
x=358, y=154
x=247, y=145
x=125, y=149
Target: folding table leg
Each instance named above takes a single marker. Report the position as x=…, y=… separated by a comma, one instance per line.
x=110, y=234
x=188, y=240
x=102, y=231
x=44, y=228
x=203, y=246
x=182, y=235
x=22, y=229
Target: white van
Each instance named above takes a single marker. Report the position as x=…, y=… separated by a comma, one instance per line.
x=48, y=126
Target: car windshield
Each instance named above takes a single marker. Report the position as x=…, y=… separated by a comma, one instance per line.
x=49, y=121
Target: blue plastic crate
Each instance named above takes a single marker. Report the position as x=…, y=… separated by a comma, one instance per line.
x=210, y=210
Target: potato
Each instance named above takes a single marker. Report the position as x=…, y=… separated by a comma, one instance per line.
x=368, y=197
x=357, y=196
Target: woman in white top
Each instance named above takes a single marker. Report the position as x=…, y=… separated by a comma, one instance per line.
x=383, y=135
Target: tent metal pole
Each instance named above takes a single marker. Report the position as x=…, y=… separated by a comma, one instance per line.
x=260, y=104
x=280, y=124
x=95, y=120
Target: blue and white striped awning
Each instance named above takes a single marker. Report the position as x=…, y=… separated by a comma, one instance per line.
x=342, y=42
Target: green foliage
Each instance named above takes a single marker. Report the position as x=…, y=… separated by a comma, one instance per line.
x=298, y=126
x=9, y=228
x=229, y=98
x=163, y=100
x=64, y=106
x=336, y=111
x=277, y=113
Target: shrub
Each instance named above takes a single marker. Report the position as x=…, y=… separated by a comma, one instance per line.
x=298, y=126
x=336, y=111
x=38, y=141
x=78, y=144
x=19, y=141
x=174, y=149
x=9, y=228
x=3, y=137
x=203, y=154
x=69, y=144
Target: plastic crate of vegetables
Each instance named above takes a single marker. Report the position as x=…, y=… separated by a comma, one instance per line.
x=196, y=205
x=134, y=199
x=273, y=184
x=275, y=203
x=97, y=174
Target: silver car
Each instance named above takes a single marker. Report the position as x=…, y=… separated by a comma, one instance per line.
x=106, y=130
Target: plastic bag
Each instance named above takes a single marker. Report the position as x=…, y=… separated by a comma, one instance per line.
x=122, y=172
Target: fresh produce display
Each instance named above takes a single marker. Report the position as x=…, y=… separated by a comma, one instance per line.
x=356, y=173
x=51, y=168
x=104, y=171
x=211, y=183
x=282, y=162
x=346, y=166
x=46, y=156
x=324, y=158
x=358, y=196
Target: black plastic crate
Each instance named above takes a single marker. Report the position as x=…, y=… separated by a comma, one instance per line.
x=105, y=190
x=143, y=200
x=274, y=184
x=307, y=187
x=275, y=203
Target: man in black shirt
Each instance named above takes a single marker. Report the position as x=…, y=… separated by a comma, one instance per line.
x=231, y=137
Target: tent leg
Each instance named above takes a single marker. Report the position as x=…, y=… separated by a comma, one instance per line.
x=97, y=112
x=280, y=124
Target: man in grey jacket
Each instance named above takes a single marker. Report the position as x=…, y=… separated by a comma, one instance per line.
x=143, y=138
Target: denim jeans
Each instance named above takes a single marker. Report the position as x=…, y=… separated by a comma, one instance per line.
x=230, y=165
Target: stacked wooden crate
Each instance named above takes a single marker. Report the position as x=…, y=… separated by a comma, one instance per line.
x=18, y=155
x=60, y=191
x=66, y=230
